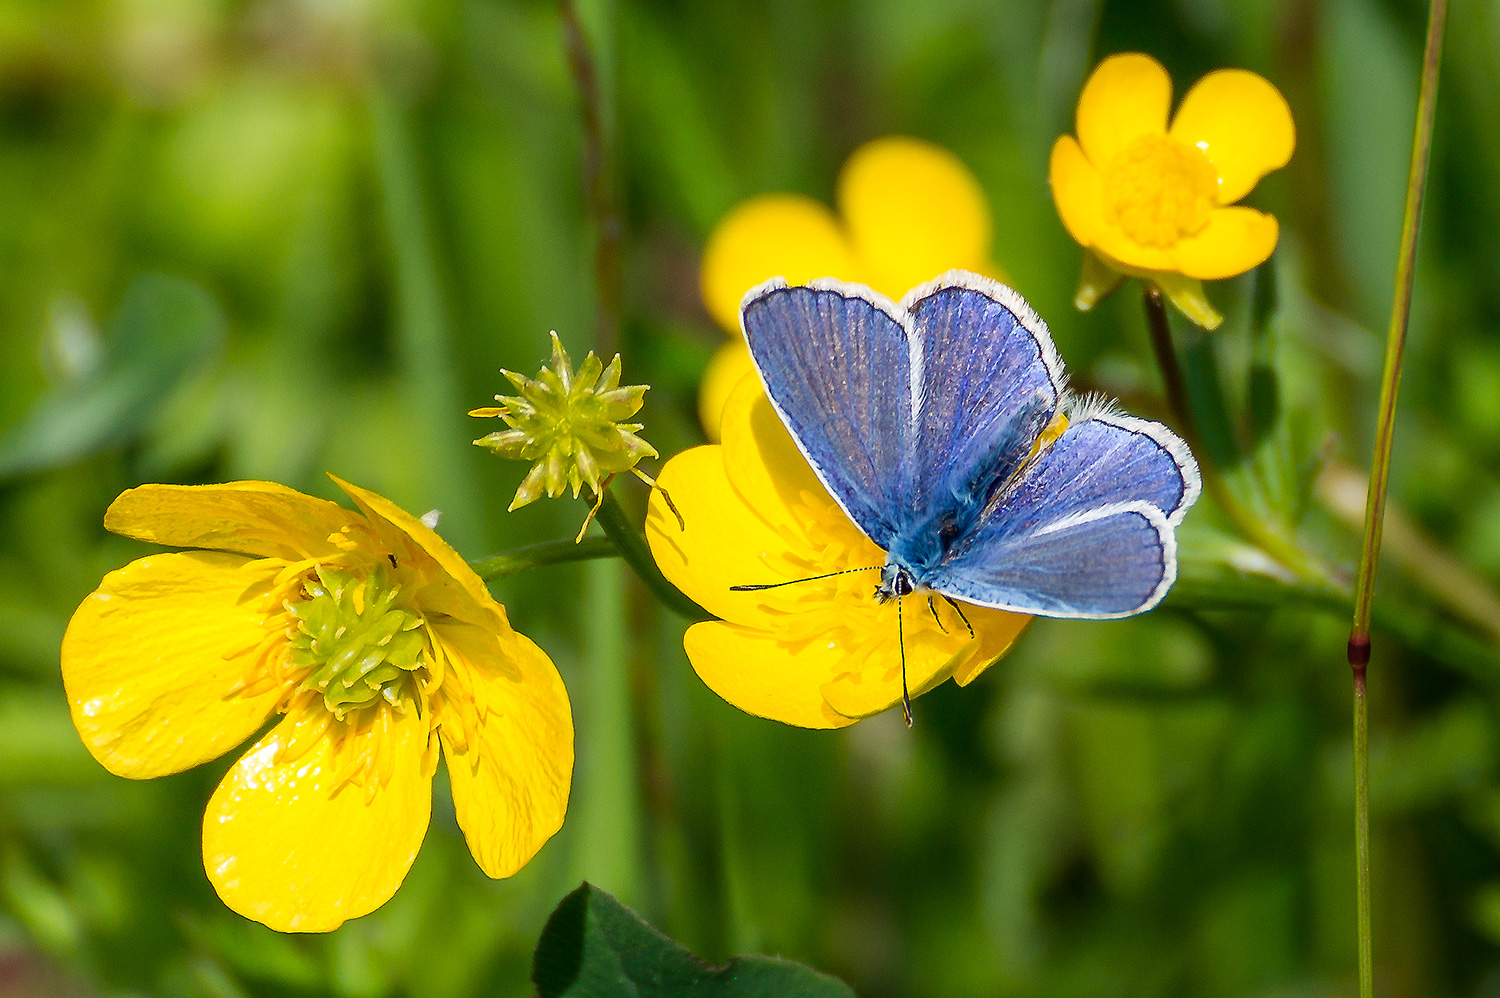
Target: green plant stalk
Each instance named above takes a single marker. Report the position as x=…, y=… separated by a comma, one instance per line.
x=1252, y=527
x=631, y=545
x=498, y=566
x=1380, y=467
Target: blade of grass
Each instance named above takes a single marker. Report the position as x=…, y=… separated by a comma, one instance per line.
x=1380, y=466
x=421, y=327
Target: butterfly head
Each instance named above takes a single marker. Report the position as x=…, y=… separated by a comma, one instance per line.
x=895, y=582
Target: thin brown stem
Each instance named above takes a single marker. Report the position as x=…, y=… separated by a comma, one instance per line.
x=1252, y=527
x=598, y=181
x=1380, y=468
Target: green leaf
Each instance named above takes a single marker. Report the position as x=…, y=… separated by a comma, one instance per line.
x=165, y=328
x=595, y=947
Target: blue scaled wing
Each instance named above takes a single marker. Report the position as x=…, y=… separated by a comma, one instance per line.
x=1087, y=530
x=985, y=371
x=833, y=358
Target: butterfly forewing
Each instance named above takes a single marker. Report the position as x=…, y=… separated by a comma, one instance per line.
x=980, y=358
x=834, y=362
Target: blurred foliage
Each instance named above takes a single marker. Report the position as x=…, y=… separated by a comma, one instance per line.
x=269, y=238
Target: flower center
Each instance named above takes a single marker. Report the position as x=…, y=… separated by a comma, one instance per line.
x=359, y=645
x=1159, y=190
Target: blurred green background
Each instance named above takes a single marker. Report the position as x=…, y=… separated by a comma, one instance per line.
x=269, y=238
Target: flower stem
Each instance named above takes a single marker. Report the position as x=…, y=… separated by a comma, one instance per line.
x=598, y=180
x=1380, y=467
x=631, y=545
x=497, y=566
x=1252, y=527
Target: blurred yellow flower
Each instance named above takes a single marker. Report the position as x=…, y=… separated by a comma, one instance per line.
x=1149, y=201
x=908, y=211
x=377, y=643
x=818, y=654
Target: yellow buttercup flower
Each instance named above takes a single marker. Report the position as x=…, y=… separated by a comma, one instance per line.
x=908, y=211
x=1157, y=202
x=818, y=654
x=375, y=642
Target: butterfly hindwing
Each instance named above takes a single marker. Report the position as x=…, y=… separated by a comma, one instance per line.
x=1107, y=561
x=835, y=364
x=1073, y=536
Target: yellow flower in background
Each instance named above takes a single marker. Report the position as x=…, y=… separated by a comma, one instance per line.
x=375, y=641
x=908, y=211
x=1158, y=203
x=818, y=654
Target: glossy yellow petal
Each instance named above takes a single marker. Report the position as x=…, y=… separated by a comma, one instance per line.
x=259, y=518
x=868, y=679
x=913, y=211
x=1127, y=96
x=1077, y=190
x=768, y=236
x=288, y=842
x=726, y=542
x=760, y=675
x=1119, y=251
x=1242, y=123
x=150, y=663
x=450, y=584
x=1235, y=240
x=996, y=631
x=769, y=472
x=511, y=771
x=730, y=364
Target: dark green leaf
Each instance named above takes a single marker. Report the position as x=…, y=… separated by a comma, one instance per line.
x=595, y=947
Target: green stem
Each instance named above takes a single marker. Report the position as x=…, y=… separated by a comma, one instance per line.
x=1252, y=527
x=497, y=566
x=1380, y=467
x=631, y=545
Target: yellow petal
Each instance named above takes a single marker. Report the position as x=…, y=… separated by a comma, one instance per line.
x=1127, y=96
x=768, y=236
x=1242, y=123
x=259, y=518
x=913, y=210
x=766, y=468
x=511, y=773
x=730, y=364
x=149, y=663
x=996, y=630
x=760, y=675
x=726, y=542
x=1235, y=240
x=868, y=679
x=451, y=584
x=1077, y=190
x=284, y=844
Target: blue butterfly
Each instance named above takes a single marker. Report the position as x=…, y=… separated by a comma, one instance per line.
x=925, y=421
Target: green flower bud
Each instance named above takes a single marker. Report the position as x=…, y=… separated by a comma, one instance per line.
x=569, y=425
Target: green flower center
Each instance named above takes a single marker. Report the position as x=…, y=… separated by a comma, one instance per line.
x=1159, y=190
x=360, y=646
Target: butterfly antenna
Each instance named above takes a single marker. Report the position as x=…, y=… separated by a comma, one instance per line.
x=901, y=640
x=793, y=582
x=959, y=611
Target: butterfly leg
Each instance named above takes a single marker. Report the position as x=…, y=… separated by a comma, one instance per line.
x=960, y=613
x=901, y=640
x=935, y=618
